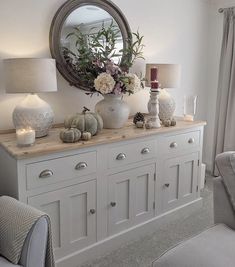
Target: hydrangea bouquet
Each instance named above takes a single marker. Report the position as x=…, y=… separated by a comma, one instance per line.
x=115, y=81
x=100, y=65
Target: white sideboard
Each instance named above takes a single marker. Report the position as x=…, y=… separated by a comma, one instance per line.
x=104, y=192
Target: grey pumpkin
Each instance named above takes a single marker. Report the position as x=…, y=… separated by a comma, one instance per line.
x=86, y=136
x=85, y=122
x=167, y=123
x=71, y=135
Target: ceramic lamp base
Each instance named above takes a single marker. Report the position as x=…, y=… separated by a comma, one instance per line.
x=166, y=105
x=35, y=113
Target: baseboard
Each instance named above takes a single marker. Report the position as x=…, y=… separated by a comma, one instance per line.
x=107, y=245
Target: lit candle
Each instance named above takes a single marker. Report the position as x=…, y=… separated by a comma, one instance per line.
x=153, y=74
x=25, y=137
x=188, y=117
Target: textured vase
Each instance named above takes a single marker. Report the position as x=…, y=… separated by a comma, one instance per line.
x=166, y=105
x=113, y=110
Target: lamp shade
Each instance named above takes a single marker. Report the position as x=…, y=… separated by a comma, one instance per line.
x=30, y=75
x=168, y=75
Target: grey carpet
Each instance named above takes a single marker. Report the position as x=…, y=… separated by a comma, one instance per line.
x=141, y=253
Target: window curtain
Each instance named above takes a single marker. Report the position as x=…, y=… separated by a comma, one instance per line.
x=225, y=111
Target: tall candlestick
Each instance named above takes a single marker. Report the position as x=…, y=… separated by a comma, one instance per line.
x=153, y=74
x=154, y=120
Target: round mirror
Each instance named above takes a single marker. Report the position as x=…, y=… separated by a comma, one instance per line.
x=80, y=31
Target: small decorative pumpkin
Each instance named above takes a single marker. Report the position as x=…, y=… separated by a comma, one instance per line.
x=86, y=136
x=149, y=125
x=71, y=135
x=85, y=122
x=167, y=123
x=173, y=122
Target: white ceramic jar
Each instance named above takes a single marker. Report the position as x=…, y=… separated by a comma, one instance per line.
x=113, y=110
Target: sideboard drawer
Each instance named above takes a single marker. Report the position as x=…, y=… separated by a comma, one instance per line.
x=126, y=154
x=52, y=171
x=181, y=142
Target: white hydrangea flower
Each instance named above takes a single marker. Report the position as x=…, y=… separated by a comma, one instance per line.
x=134, y=84
x=104, y=83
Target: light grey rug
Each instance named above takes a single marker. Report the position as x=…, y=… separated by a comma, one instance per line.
x=144, y=251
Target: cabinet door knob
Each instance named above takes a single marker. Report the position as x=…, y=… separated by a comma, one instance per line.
x=46, y=174
x=113, y=204
x=92, y=211
x=173, y=145
x=191, y=140
x=145, y=151
x=121, y=156
x=167, y=185
x=81, y=166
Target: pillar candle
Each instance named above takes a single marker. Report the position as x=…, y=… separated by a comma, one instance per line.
x=25, y=137
x=188, y=117
x=153, y=74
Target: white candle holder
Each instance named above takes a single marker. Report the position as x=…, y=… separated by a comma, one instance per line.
x=25, y=137
x=154, y=109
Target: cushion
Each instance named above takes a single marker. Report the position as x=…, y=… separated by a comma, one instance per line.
x=6, y=263
x=225, y=163
x=211, y=248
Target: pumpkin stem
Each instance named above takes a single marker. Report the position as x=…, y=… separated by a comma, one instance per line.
x=85, y=109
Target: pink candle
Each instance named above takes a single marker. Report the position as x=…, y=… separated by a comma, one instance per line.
x=153, y=74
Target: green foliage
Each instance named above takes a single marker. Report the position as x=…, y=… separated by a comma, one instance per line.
x=133, y=51
x=95, y=49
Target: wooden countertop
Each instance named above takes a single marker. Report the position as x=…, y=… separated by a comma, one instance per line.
x=53, y=144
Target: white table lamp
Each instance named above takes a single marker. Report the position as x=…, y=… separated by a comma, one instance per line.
x=168, y=76
x=31, y=75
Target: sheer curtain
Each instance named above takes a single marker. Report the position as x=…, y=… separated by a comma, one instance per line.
x=225, y=111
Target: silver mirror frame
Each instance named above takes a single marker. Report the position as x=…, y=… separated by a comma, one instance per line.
x=56, y=27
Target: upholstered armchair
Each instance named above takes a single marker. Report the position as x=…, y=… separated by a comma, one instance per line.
x=214, y=247
x=34, y=249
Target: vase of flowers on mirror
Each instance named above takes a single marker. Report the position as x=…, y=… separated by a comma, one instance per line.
x=112, y=84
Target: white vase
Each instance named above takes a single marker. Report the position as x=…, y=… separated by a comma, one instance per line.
x=113, y=110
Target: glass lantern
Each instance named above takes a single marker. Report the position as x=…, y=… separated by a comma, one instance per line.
x=190, y=106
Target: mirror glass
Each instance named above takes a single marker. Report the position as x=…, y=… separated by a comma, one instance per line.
x=86, y=21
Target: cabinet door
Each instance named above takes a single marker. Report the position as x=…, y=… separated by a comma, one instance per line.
x=131, y=197
x=72, y=212
x=179, y=180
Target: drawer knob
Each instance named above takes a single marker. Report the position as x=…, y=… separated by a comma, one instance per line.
x=173, y=145
x=145, y=151
x=92, y=211
x=191, y=140
x=121, y=156
x=167, y=185
x=46, y=174
x=113, y=204
x=81, y=166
